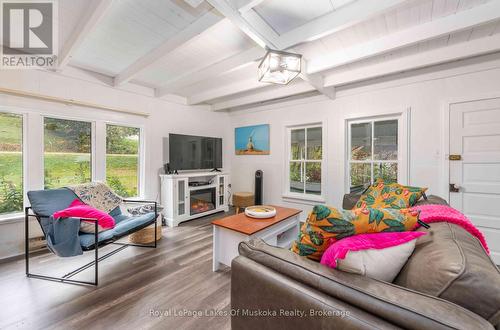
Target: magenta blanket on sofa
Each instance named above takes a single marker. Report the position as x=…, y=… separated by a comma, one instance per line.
x=340, y=248
x=443, y=213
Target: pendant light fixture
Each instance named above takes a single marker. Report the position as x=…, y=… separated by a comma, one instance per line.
x=279, y=67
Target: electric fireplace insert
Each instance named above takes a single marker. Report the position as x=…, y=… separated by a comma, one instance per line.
x=202, y=200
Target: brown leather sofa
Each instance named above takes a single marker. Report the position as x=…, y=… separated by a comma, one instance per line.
x=449, y=282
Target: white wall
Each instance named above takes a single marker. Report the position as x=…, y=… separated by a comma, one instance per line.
x=166, y=117
x=426, y=92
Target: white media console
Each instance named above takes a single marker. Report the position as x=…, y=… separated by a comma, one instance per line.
x=183, y=200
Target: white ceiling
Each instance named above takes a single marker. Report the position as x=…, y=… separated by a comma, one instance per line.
x=286, y=15
x=132, y=28
x=220, y=41
x=210, y=56
x=69, y=14
x=414, y=13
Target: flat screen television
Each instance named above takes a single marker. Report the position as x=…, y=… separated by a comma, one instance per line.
x=189, y=152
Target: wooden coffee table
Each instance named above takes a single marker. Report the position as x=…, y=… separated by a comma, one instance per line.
x=280, y=230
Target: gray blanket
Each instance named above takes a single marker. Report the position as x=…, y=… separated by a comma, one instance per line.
x=62, y=236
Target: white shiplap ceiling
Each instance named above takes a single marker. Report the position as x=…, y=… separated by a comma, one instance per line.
x=69, y=14
x=132, y=28
x=209, y=55
x=286, y=15
x=223, y=39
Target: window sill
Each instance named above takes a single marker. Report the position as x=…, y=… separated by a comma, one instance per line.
x=303, y=199
x=11, y=218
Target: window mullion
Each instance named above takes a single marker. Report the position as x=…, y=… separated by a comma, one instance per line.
x=304, y=157
x=372, y=179
x=100, y=151
x=141, y=154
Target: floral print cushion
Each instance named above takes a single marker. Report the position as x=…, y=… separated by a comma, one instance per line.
x=98, y=195
x=326, y=225
x=390, y=195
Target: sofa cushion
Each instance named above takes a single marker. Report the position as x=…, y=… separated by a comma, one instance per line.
x=46, y=202
x=87, y=240
x=380, y=255
x=451, y=264
x=120, y=217
x=116, y=212
x=122, y=228
x=350, y=200
x=380, y=264
x=127, y=225
x=390, y=195
x=325, y=225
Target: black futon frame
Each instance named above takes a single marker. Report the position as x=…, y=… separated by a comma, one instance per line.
x=67, y=277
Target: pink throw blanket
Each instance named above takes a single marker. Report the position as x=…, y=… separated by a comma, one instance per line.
x=444, y=213
x=340, y=248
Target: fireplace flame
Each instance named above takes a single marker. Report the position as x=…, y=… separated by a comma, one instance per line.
x=199, y=205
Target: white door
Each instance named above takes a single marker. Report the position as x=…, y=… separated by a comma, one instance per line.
x=475, y=136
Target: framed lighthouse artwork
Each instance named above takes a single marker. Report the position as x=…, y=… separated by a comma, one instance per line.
x=252, y=140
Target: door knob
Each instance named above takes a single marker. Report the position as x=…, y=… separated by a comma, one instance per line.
x=454, y=187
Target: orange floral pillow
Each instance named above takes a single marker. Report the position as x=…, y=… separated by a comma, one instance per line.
x=325, y=225
x=390, y=195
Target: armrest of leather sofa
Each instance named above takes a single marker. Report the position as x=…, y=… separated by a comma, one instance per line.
x=262, y=298
x=399, y=306
x=432, y=199
x=350, y=201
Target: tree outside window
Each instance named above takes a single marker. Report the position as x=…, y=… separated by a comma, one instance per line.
x=123, y=159
x=67, y=152
x=11, y=163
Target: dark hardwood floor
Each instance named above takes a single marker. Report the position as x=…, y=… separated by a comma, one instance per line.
x=138, y=287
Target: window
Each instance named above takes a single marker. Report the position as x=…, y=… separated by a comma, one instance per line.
x=122, y=159
x=373, y=152
x=11, y=163
x=305, y=160
x=67, y=152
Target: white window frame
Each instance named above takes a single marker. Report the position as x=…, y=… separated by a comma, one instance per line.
x=33, y=150
x=98, y=159
x=93, y=142
x=294, y=196
x=403, y=146
x=24, y=150
x=141, y=154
